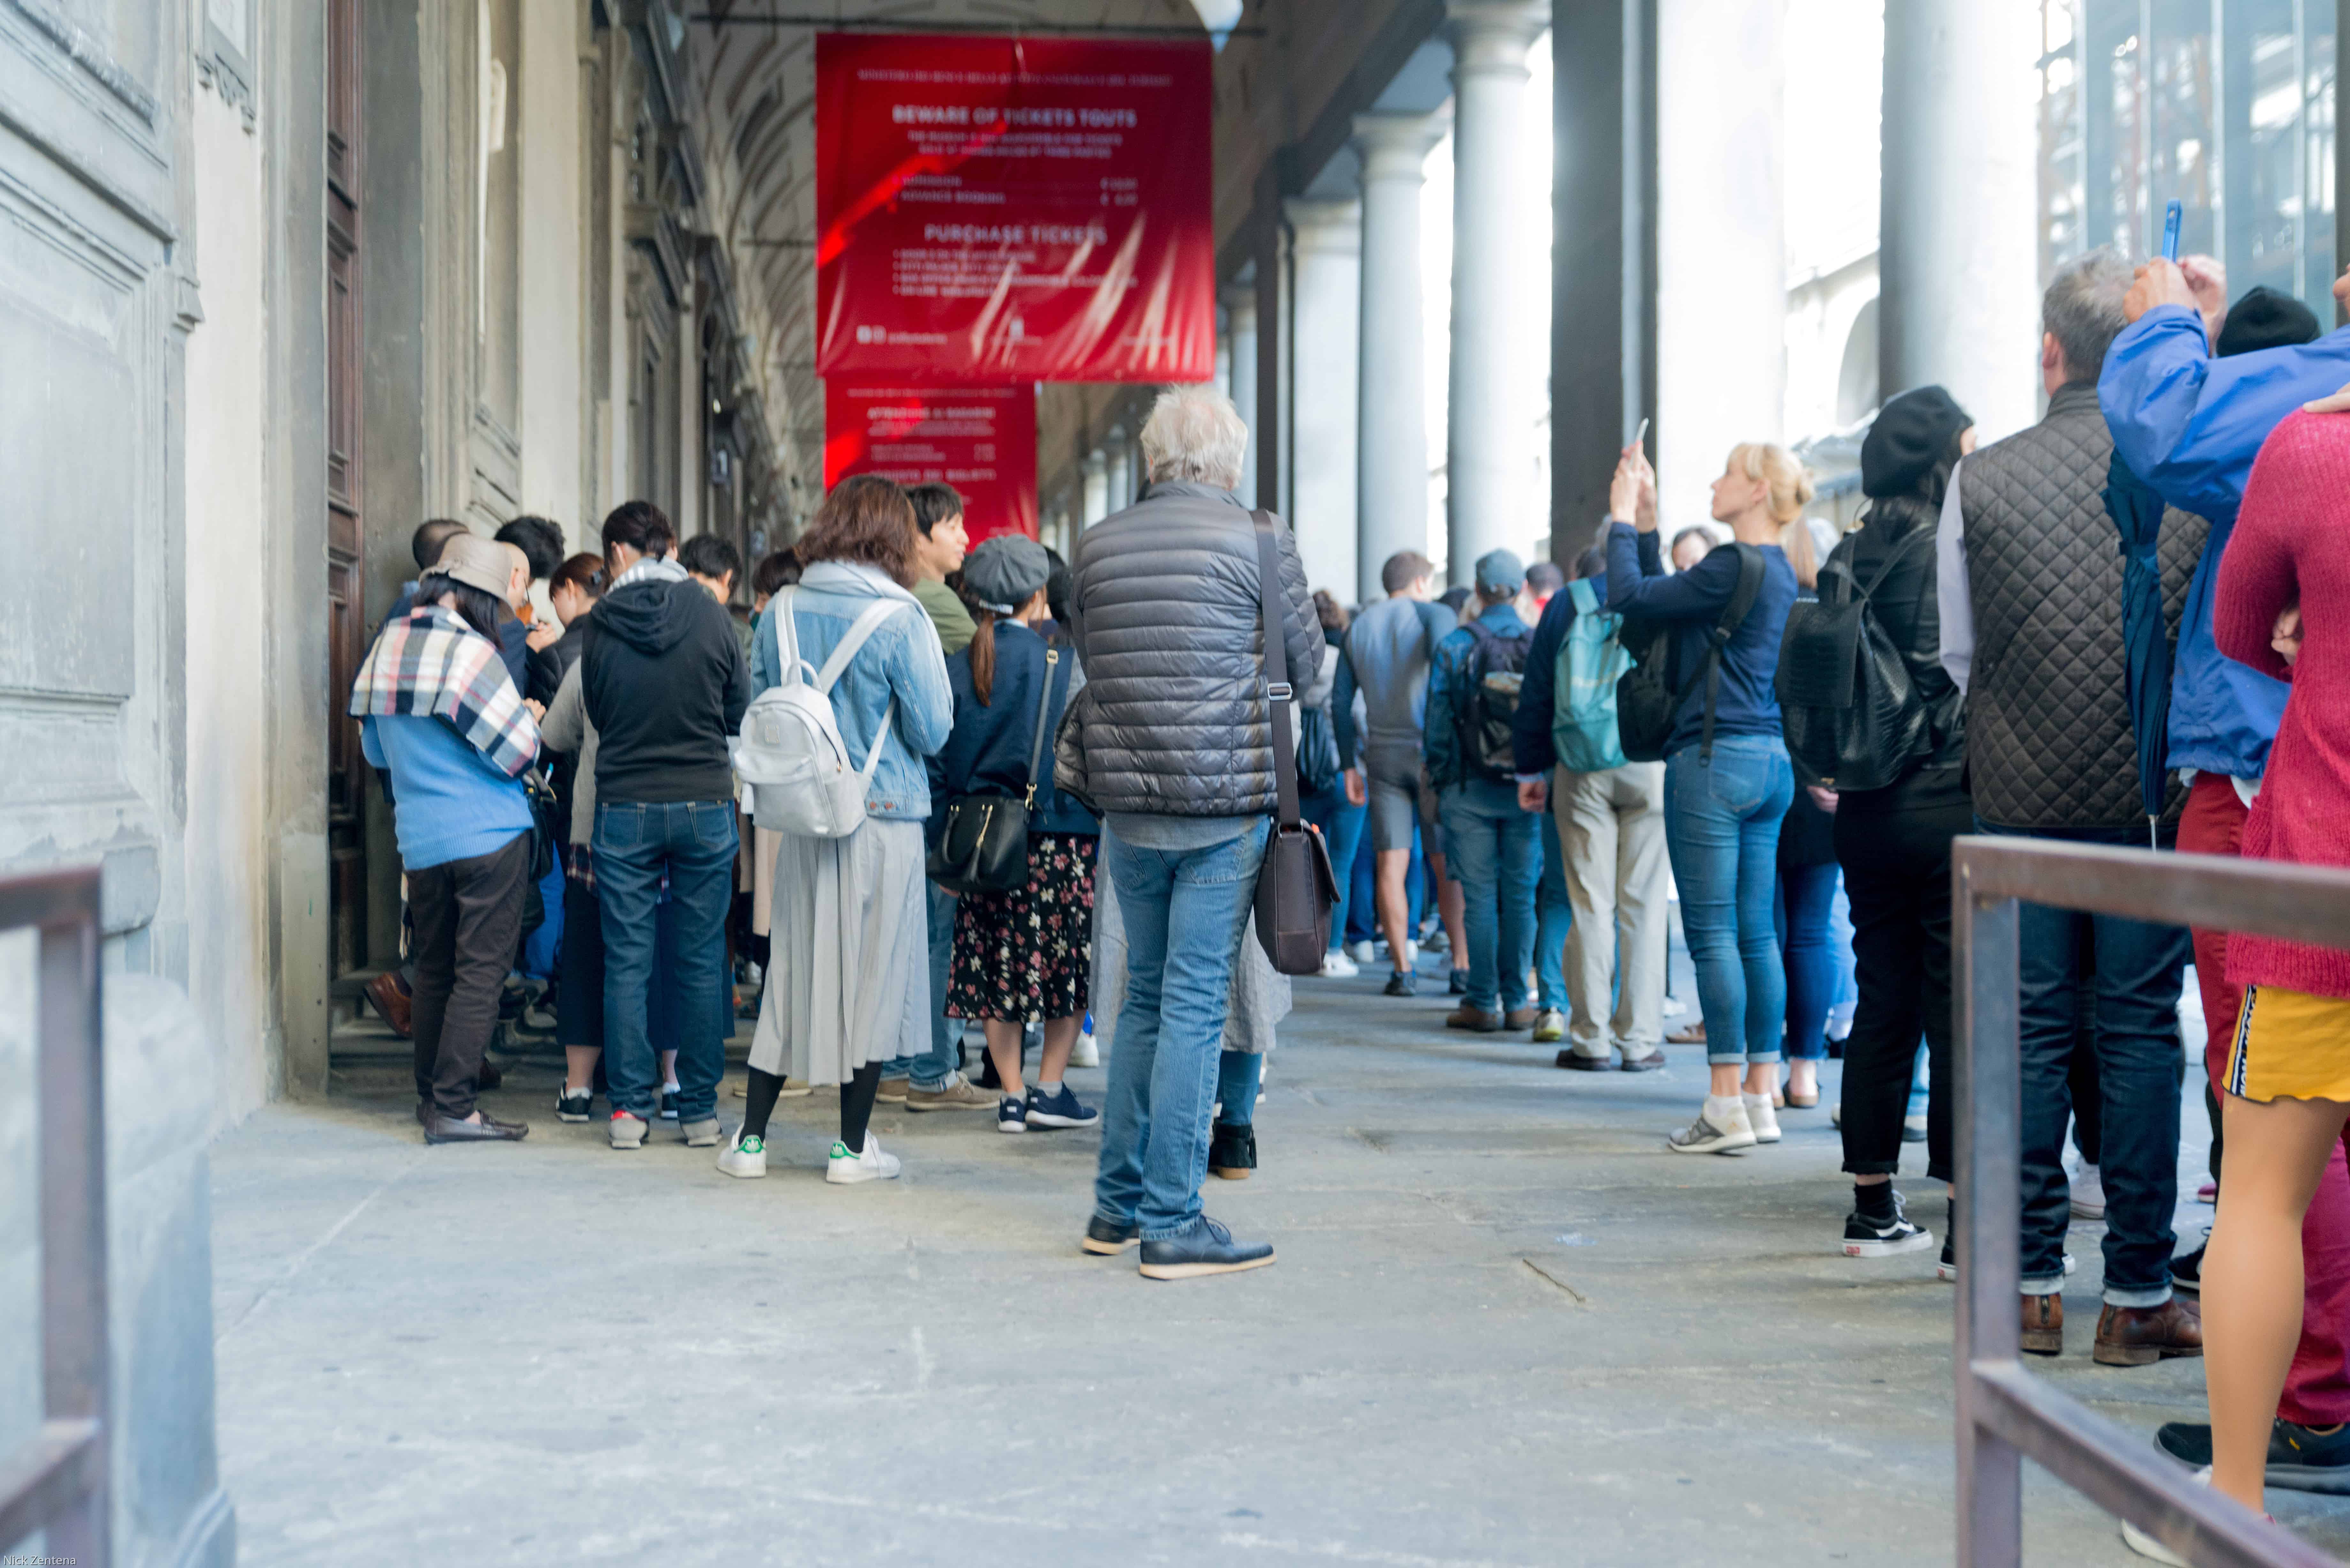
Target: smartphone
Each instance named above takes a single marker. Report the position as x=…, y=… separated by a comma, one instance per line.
x=1642, y=434
x=2170, y=232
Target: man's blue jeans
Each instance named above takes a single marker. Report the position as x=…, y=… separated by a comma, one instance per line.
x=1553, y=917
x=1186, y=911
x=1342, y=830
x=2140, y=1060
x=1721, y=829
x=635, y=842
x=1491, y=849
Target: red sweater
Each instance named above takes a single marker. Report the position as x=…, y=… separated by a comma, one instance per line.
x=2291, y=546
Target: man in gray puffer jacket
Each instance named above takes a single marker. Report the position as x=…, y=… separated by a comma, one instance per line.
x=1172, y=740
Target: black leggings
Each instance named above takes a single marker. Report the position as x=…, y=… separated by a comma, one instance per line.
x=857, y=1097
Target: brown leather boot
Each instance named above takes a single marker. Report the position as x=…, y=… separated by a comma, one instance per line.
x=2043, y=1326
x=392, y=1003
x=2140, y=1336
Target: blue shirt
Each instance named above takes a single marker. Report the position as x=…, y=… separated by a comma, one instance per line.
x=450, y=802
x=1448, y=694
x=1693, y=600
x=2189, y=426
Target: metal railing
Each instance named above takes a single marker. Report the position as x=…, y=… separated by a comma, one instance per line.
x=2004, y=1413
x=57, y=1480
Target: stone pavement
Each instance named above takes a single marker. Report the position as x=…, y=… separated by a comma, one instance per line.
x=1506, y=1328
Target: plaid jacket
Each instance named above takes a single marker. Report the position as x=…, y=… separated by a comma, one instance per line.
x=431, y=663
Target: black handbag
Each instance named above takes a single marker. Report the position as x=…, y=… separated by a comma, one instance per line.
x=1295, y=888
x=983, y=847
x=1846, y=701
x=1648, y=698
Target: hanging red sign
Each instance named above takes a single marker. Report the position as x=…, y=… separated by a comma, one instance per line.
x=1004, y=209
x=980, y=440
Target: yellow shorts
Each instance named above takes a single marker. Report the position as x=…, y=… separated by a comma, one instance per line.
x=2290, y=1046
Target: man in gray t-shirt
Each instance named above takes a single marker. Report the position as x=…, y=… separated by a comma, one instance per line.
x=1387, y=654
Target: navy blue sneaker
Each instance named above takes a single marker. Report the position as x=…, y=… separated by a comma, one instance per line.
x=1011, y=1115
x=1459, y=982
x=1204, y=1247
x=1060, y=1110
x=1403, y=982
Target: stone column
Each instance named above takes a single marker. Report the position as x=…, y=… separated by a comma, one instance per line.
x=1488, y=476
x=1959, y=256
x=1391, y=450
x=1120, y=459
x=1722, y=271
x=1097, y=487
x=1239, y=316
x=1326, y=314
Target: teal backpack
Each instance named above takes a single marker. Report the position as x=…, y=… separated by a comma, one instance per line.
x=1590, y=662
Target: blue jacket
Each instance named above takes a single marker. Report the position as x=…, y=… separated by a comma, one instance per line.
x=2190, y=425
x=900, y=663
x=452, y=801
x=1538, y=698
x=1748, y=703
x=1448, y=694
x=988, y=752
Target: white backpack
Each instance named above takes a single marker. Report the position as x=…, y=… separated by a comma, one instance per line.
x=790, y=750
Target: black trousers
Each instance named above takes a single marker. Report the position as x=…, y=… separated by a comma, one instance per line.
x=468, y=916
x=1897, y=873
x=579, y=977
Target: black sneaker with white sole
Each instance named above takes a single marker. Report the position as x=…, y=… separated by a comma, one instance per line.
x=2186, y=1273
x=1403, y=982
x=1871, y=1236
x=1107, y=1238
x=572, y=1105
x=2301, y=1458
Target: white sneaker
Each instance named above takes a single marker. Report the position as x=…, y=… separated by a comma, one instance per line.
x=2147, y=1546
x=1361, y=952
x=1762, y=1117
x=1337, y=965
x=1721, y=1127
x=845, y=1168
x=2088, y=1194
x=1085, y=1052
x=1410, y=954
x=745, y=1157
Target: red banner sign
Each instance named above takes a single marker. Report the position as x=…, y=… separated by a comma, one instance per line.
x=980, y=440
x=999, y=209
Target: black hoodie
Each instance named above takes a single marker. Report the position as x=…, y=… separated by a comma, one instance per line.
x=664, y=683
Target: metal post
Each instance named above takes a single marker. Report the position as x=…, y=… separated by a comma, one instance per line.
x=1991, y=1470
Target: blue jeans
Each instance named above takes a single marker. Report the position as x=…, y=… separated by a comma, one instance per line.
x=1554, y=916
x=694, y=842
x=1721, y=829
x=1806, y=900
x=1342, y=832
x=1186, y=911
x=2140, y=1060
x=1491, y=850
x=932, y=1071
x=1362, y=896
x=1238, y=1073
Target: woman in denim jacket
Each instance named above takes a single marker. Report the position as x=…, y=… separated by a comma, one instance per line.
x=849, y=982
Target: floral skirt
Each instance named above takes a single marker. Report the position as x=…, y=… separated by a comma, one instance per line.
x=1025, y=956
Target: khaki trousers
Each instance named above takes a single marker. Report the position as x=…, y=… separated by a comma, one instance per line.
x=1611, y=825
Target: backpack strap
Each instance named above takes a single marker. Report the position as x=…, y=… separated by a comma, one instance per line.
x=1898, y=554
x=787, y=635
x=1043, y=711
x=1277, y=689
x=864, y=626
x=1734, y=616
x=1581, y=594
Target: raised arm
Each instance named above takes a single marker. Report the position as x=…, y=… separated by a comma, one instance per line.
x=1637, y=585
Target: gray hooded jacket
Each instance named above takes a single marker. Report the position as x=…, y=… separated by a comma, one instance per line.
x=1172, y=721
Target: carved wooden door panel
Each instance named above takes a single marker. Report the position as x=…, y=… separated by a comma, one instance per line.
x=346, y=520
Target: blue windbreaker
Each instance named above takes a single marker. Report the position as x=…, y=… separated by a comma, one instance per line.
x=2191, y=425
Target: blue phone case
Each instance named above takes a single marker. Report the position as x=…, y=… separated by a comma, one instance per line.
x=2170, y=233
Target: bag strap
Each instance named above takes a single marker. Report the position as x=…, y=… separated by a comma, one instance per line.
x=864, y=626
x=1900, y=553
x=1277, y=689
x=787, y=635
x=1583, y=597
x=1043, y=711
x=1734, y=616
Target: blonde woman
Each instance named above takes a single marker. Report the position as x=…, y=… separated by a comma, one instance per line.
x=1727, y=778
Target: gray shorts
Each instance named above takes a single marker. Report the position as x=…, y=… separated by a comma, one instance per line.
x=1397, y=801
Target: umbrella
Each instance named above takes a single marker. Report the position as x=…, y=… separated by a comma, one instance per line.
x=2137, y=512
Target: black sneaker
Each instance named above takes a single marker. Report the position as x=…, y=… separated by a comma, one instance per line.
x=1231, y=1151
x=1107, y=1238
x=1459, y=982
x=1865, y=1237
x=1204, y=1247
x=2187, y=1271
x=1403, y=982
x=1011, y=1115
x=2301, y=1458
x=571, y=1105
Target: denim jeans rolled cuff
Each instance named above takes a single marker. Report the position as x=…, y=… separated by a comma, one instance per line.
x=1721, y=831
x=1238, y=1075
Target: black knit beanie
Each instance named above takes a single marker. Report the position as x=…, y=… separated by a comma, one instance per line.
x=2264, y=318
x=1909, y=436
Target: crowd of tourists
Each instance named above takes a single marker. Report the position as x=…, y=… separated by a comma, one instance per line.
x=914, y=784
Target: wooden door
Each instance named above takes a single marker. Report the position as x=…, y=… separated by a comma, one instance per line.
x=346, y=521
